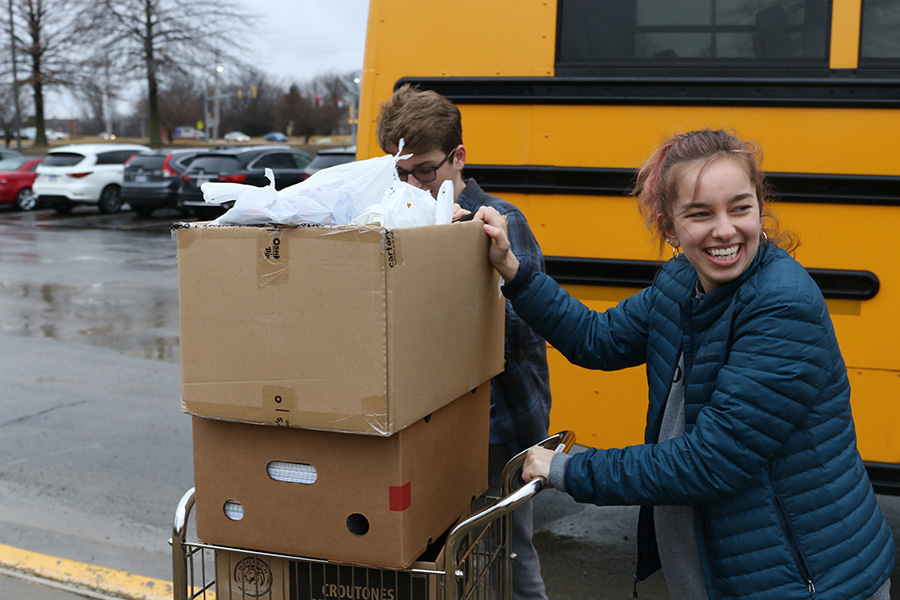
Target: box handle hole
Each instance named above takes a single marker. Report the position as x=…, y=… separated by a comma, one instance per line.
x=292, y=472
x=234, y=510
x=358, y=524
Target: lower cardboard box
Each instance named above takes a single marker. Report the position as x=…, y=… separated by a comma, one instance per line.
x=242, y=575
x=337, y=496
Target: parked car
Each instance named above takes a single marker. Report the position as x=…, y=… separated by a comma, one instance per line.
x=329, y=158
x=84, y=174
x=55, y=136
x=188, y=133
x=16, y=179
x=9, y=153
x=236, y=136
x=151, y=178
x=275, y=136
x=245, y=165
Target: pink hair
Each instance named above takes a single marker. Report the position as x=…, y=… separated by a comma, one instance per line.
x=657, y=181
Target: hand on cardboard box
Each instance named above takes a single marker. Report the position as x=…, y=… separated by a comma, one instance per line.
x=500, y=252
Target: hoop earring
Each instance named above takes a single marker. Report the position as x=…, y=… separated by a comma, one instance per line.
x=674, y=248
x=763, y=237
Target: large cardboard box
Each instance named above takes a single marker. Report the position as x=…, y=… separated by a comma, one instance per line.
x=354, y=329
x=353, y=498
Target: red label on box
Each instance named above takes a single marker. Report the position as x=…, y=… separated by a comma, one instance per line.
x=401, y=496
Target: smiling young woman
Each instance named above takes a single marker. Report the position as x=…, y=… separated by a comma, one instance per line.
x=716, y=221
x=749, y=474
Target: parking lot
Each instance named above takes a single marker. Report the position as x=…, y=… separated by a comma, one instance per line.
x=99, y=450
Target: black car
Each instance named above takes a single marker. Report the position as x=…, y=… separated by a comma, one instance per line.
x=152, y=178
x=245, y=165
x=329, y=158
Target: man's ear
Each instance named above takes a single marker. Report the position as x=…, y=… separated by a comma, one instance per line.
x=459, y=158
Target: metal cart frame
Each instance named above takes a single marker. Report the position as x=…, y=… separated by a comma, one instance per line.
x=477, y=555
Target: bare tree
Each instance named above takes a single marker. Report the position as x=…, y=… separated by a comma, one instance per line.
x=50, y=36
x=151, y=39
x=7, y=116
x=298, y=112
x=91, y=102
x=179, y=103
x=254, y=114
x=7, y=113
x=336, y=92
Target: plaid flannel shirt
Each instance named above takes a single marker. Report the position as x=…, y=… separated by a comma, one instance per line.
x=520, y=395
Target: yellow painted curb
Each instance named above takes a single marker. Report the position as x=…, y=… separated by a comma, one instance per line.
x=92, y=577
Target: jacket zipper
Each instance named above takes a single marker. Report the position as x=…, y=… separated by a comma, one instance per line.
x=796, y=548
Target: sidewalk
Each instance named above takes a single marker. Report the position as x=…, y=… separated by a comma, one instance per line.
x=34, y=589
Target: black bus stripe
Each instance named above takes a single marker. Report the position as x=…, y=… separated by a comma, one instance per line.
x=569, y=270
x=877, y=190
x=793, y=88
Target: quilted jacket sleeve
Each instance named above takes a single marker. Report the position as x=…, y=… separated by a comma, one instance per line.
x=782, y=359
x=611, y=340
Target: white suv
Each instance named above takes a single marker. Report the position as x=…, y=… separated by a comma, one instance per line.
x=84, y=174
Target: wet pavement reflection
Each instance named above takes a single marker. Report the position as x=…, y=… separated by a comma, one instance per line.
x=130, y=301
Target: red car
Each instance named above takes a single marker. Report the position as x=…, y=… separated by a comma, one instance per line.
x=16, y=177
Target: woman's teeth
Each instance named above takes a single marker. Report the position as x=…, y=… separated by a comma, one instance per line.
x=723, y=253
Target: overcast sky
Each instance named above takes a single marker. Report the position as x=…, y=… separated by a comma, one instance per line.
x=295, y=41
x=303, y=38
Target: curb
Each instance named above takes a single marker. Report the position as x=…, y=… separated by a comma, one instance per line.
x=102, y=580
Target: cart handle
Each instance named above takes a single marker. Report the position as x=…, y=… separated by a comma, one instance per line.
x=560, y=442
x=179, y=557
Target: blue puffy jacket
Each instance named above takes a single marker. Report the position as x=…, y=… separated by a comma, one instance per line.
x=769, y=459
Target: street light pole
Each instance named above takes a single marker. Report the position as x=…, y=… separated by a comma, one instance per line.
x=12, y=39
x=215, y=131
x=356, y=95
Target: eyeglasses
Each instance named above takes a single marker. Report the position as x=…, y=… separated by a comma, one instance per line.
x=424, y=174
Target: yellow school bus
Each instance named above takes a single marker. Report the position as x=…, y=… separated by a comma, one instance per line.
x=563, y=99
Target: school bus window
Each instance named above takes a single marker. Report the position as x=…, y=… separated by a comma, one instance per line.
x=651, y=31
x=880, y=31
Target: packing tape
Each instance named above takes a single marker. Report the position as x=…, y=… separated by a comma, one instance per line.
x=393, y=255
x=282, y=401
x=400, y=497
x=282, y=407
x=387, y=237
x=272, y=258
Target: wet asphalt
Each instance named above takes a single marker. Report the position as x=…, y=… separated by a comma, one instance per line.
x=89, y=324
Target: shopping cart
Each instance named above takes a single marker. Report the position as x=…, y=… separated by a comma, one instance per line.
x=475, y=560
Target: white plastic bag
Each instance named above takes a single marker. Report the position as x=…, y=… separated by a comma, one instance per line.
x=405, y=205
x=256, y=205
x=363, y=192
x=443, y=213
x=365, y=181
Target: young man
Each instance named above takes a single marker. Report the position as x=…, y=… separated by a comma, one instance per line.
x=431, y=127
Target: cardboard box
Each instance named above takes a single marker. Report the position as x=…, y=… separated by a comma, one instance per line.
x=361, y=330
x=360, y=499
x=242, y=575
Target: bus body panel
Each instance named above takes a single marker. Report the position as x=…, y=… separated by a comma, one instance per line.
x=837, y=143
